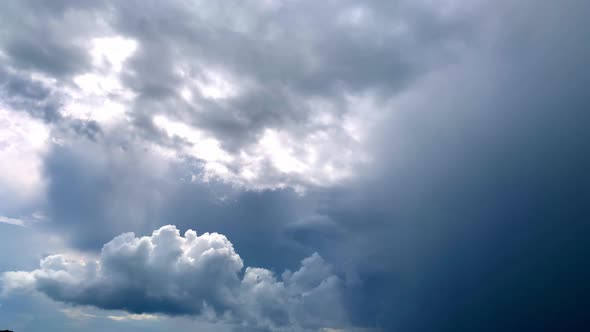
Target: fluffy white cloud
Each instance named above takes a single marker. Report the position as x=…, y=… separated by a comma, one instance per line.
x=310, y=296
x=189, y=275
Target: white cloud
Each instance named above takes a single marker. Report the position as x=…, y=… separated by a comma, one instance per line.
x=112, y=51
x=191, y=274
x=202, y=146
x=324, y=152
x=99, y=94
x=216, y=85
x=12, y=221
x=76, y=313
x=81, y=314
x=23, y=142
x=133, y=317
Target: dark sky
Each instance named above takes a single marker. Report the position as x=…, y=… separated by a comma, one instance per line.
x=345, y=166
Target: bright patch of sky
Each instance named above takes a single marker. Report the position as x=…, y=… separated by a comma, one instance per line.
x=99, y=94
x=23, y=141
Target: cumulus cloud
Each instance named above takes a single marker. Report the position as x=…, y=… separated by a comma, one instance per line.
x=193, y=274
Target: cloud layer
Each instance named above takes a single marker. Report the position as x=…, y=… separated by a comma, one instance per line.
x=264, y=95
x=198, y=275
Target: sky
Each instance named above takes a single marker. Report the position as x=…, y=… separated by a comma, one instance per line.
x=294, y=165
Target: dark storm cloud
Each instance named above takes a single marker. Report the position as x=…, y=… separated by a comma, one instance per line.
x=476, y=218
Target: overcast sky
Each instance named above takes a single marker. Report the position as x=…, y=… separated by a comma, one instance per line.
x=294, y=165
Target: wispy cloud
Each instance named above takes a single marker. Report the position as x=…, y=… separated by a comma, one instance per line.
x=12, y=221
x=133, y=317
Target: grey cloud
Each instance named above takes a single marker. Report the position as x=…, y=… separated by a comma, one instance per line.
x=283, y=55
x=21, y=93
x=283, y=58
x=48, y=57
x=189, y=275
x=24, y=94
x=98, y=189
x=46, y=37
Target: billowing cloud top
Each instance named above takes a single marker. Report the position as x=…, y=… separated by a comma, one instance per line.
x=189, y=275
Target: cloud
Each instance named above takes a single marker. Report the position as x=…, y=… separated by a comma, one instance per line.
x=23, y=142
x=12, y=221
x=304, y=86
x=476, y=202
x=132, y=317
x=78, y=314
x=442, y=145
x=280, y=95
x=98, y=190
x=188, y=275
x=27, y=93
x=39, y=43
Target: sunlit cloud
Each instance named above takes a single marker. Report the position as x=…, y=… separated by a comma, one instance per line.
x=99, y=95
x=23, y=142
